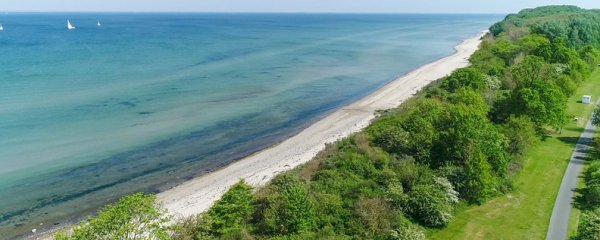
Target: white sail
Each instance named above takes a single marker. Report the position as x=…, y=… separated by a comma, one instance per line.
x=69, y=25
x=1, y=27
x=99, y=24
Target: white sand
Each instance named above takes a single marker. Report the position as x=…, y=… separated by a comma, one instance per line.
x=197, y=195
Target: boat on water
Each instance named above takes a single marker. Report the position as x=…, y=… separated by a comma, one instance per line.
x=1, y=27
x=69, y=25
x=98, y=24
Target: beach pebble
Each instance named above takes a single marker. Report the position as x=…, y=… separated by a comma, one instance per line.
x=33, y=230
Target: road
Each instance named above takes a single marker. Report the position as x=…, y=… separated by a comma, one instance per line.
x=559, y=222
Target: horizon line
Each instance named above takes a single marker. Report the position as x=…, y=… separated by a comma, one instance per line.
x=260, y=12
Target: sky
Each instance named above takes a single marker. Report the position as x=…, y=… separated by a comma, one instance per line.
x=333, y=6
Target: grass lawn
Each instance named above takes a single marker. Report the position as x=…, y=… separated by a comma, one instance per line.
x=525, y=212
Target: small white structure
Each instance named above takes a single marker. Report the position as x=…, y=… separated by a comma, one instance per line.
x=587, y=99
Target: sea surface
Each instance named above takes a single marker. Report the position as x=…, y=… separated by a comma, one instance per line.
x=146, y=101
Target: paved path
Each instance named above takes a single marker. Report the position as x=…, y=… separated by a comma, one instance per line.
x=559, y=222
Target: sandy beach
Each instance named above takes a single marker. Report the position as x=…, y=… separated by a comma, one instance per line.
x=197, y=195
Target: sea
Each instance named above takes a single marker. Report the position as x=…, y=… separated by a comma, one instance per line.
x=146, y=101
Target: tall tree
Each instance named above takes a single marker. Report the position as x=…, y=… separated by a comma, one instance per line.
x=233, y=210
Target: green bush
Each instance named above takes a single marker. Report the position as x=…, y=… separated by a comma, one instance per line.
x=134, y=216
x=290, y=209
x=521, y=134
x=465, y=78
x=233, y=210
x=432, y=204
x=589, y=226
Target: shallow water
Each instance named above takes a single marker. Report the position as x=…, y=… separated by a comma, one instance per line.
x=148, y=100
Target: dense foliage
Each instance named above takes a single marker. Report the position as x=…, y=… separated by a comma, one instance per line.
x=134, y=217
x=460, y=140
x=589, y=203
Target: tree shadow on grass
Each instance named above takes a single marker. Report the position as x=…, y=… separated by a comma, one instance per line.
x=578, y=198
x=573, y=129
x=569, y=140
x=574, y=140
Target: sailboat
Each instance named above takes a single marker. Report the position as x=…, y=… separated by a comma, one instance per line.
x=1, y=27
x=69, y=25
x=99, y=24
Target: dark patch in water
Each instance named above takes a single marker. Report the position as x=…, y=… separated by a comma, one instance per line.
x=127, y=104
x=145, y=113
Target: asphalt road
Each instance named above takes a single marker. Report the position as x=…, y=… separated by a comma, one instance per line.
x=559, y=222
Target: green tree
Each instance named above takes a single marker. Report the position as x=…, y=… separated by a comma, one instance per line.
x=473, y=100
x=528, y=72
x=289, y=209
x=464, y=127
x=406, y=231
x=537, y=96
x=535, y=44
x=596, y=116
x=233, y=210
x=421, y=125
x=465, y=78
x=590, y=194
x=485, y=60
x=375, y=214
x=521, y=134
x=394, y=139
x=506, y=50
x=134, y=216
x=468, y=139
x=433, y=203
x=590, y=55
x=589, y=226
x=566, y=85
x=476, y=182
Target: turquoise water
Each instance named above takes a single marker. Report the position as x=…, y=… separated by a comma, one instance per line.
x=149, y=100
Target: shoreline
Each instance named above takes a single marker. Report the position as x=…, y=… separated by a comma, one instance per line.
x=198, y=194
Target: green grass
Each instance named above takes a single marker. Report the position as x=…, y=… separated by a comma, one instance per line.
x=525, y=212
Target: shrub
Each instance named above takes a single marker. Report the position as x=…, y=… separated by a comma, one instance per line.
x=432, y=204
x=290, y=209
x=233, y=210
x=134, y=216
x=589, y=227
x=465, y=78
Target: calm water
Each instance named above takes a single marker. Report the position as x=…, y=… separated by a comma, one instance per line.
x=148, y=100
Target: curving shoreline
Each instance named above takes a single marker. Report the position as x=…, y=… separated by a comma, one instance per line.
x=197, y=195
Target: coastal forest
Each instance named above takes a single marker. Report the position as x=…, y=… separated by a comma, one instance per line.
x=458, y=142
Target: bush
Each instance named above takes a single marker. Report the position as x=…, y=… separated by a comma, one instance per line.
x=566, y=85
x=394, y=139
x=465, y=78
x=375, y=214
x=233, y=210
x=289, y=209
x=589, y=227
x=134, y=216
x=432, y=204
x=521, y=134
x=406, y=231
x=596, y=116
